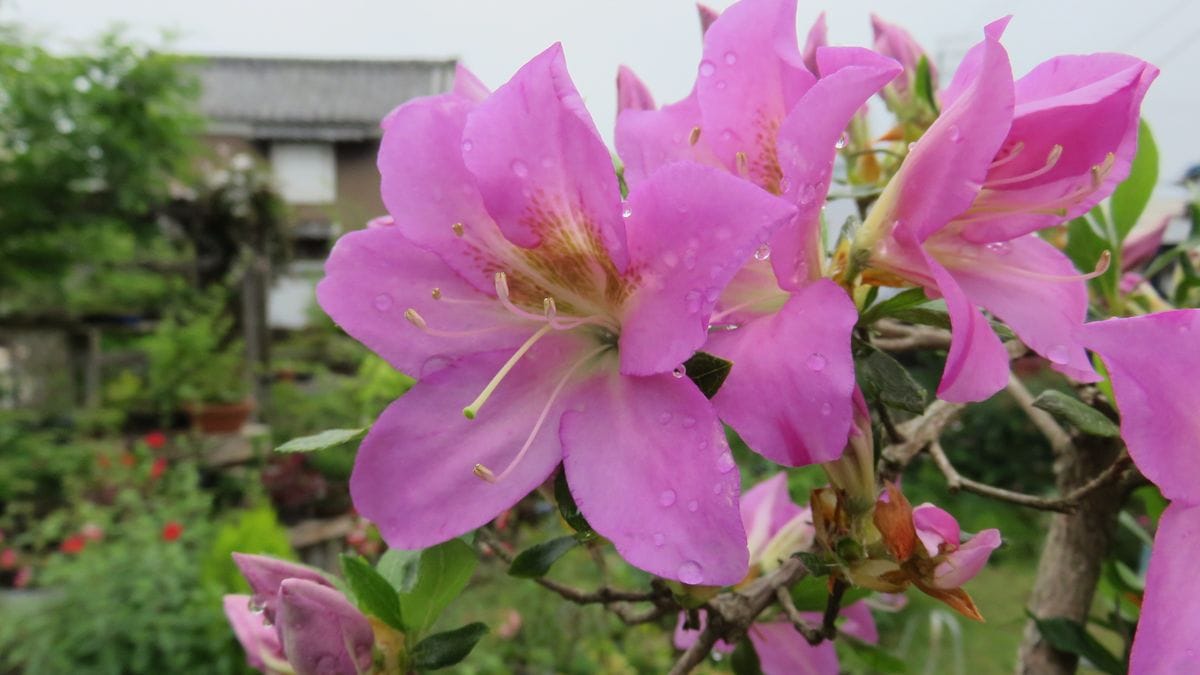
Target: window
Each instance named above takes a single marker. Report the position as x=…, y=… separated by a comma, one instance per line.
x=305, y=173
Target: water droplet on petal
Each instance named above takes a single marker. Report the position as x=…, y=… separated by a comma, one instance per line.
x=720, y=84
x=679, y=371
x=718, y=488
x=762, y=253
x=955, y=133
x=693, y=301
x=383, y=302
x=807, y=193
x=688, y=422
x=842, y=141
x=826, y=409
x=659, y=538
x=712, y=293
x=667, y=498
x=519, y=168
x=691, y=573
x=467, y=145
x=1058, y=354
x=707, y=68
x=703, y=445
x=693, y=506
x=730, y=58
x=664, y=418
x=725, y=462
x=784, y=185
x=999, y=247
x=254, y=605
x=670, y=259
x=689, y=259
x=816, y=362
x=727, y=135
x=626, y=212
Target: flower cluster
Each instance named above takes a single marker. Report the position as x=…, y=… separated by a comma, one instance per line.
x=547, y=316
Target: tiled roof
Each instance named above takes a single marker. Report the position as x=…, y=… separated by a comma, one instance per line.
x=311, y=98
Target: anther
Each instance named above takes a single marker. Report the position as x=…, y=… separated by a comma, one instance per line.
x=501, y=285
x=1051, y=160
x=458, y=229
x=549, y=309
x=414, y=318
x=484, y=473
x=694, y=137
x=1012, y=154
x=742, y=164
x=437, y=293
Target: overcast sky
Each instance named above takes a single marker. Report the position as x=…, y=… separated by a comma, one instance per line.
x=658, y=38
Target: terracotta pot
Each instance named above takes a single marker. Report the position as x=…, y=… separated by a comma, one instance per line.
x=220, y=418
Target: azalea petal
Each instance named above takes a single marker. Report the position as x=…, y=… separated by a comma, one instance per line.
x=540, y=164
x=766, y=508
x=686, y=637
x=632, y=93
x=818, y=36
x=751, y=75
x=895, y=42
x=1009, y=279
x=783, y=651
x=807, y=144
x=690, y=229
x=265, y=574
x=1143, y=242
x=1071, y=113
x=254, y=635
x=789, y=395
x=858, y=622
x=955, y=153
x=323, y=634
x=707, y=16
x=1165, y=641
x=428, y=190
x=935, y=527
x=977, y=364
x=963, y=564
x=413, y=476
x=374, y=275
x=649, y=139
x=649, y=467
x=467, y=85
x=968, y=69
x=1153, y=361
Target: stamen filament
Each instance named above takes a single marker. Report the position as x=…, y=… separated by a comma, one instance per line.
x=1016, y=150
x=417, y=320
x=486, y=473
x=1051, y=161
x=1101, y=267
x=471, y=410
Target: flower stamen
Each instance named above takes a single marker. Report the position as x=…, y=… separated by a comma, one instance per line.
x=471, y=410
x=1051, y=160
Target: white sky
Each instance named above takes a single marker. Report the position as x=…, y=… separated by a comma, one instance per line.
x=658, y=38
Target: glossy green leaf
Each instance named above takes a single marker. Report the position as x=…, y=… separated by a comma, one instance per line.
x=372, y=592
x=1130, y=198
x=330, y=438
x=399, y=568
x=536, y=560
x=811, y=594
x=569, y=510
x=1077, y=413
x=923, y=84
x=1070, y=636
x=884, y=380
x=443, y=572
x=708, y=372
x=869, y=658
x=442, y=650
x=885, y=308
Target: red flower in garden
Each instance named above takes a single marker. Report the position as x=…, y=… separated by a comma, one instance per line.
x=8, y=559
x=72, y=544
x=158, y=468
x=127, y=459
x=172, y=530
x=155, y=439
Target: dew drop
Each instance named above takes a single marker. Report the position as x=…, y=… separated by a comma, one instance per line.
x=784, y=185
x=717, y=488
x=255, y=606
x=842, y=141
x=693, y=301
x=626, y=212
x=1058, y=354
x=693, y=506
x=659, y=538
x=691, y=573
x=467, y=145
x=730, y=58
x=763, y=253
x=712, y=293
x=688, y=422
x=383, y=302
x=707, y=69
x=727, y=135
x=955, y=134
x=689, y=259
x=816, y=362
x=826, y=409
x=664, y=418
x=519, y=168
x=670, y=259
x=725, y=462
x=667, y=498
x=679, y=371
x=720, y=84
x=999, y=247
x=807, y=193
x=703, y=445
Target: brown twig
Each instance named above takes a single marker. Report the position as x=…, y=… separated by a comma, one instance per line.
x=814, y=635
x=898, y=337
x=919, y=432
x=1059, y=439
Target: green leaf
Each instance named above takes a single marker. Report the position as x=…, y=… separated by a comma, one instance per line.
x=1077, y=413
x=1085, y=244
x=373, y=593
x=569, y=510
x=744, y=660
x=884, y=380
x=1070, y=636
x=399, y=568
x=923, y=84
x=536, y=560
x=1130, y=198
x=811, y=594
x=446, y=649
x=330, y=438
x=902, y=300
x=925, y=316
x=815, y=564
x=708, y=372
x=869, y=658
x=444, y=571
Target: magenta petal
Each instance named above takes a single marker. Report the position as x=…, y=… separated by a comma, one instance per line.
x=895, y=42
x=1010, y=279
x=540, y=164
x=858, y=622
x=963, y=564
x=467, y=85
x=265, y=574
x=648, y=139
x=1153, y=361
x=373, y=276
x=1165, y=641
x=818, y=36
x=686, y=637
x=935, y=526
x=783, y=651
x=414, y=473
x=807, y=144
x=648, y=465
x=690, y=228
x=707, y=16
x=751, y=75
x=766, y=508
x=323, y=634
x=968, y=69
x=255, y=636
x=789, y=393
x=632, y=93
x=1143, y=242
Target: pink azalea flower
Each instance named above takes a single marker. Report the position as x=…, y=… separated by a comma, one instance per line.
x=778, y=528
x=544, y=320
x=632, y=93
x=818, y=36
x=316, y=630
x=758, y=113
x=895, y=42
x=1009, y=159
x=939, y=534
x=1153, y=361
